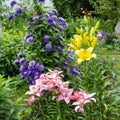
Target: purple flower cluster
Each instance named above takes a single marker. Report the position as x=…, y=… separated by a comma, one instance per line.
x=30, y=70
x=68, y=64
x=74, y=71
x=53, y=20
x=29, y=38
x=48, y=47
x=12, y=3
x=62, y=22
x=46, y=38
x=11, y=17
x=49, y=41
x=59, y=48
x=41, y=1
x=35, y=19
x=17, y=12
x=56, y=23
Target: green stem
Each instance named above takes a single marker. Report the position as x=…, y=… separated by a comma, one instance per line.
x=85, y=77
x=34, y=2
x=87, y=87
x=59, y=112
x=42, y=112
x=99, y=89
x=38, y=7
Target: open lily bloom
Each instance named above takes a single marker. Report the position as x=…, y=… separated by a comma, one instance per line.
x=81, y=99
x=85, y=54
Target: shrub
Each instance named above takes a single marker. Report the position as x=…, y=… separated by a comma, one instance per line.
x=72, y=8
x=107, y=10
x=8, y=51
x=8, y=108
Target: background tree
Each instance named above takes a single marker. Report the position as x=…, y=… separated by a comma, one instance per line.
x=72, y=8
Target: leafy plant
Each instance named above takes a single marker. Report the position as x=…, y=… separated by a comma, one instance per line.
x=66, y=8
x=8, y=109
x=8, y=51
x=107, y=10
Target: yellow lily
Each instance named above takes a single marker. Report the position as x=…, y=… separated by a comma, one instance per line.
x=76, y=42
x=85, y=54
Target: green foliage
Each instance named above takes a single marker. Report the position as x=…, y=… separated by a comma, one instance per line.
x=8, y=109
x=3, y=9
x=79, y=23
x=107, y=9
x=10, y=40
x=114, y=45
x=63, y=7
x=46, y=109
x=71, y=8
x=98, y=77
x=12, y=37
x=109, y=41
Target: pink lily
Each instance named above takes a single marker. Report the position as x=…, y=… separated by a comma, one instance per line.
x=65, y=94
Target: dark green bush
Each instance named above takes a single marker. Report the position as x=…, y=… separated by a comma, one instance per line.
x=109, y=10
x=72, y=8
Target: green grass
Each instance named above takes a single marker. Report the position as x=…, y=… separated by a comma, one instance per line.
x=105, y=51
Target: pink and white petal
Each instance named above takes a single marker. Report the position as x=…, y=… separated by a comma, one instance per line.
x=93, y=99
x=28, y=93
x=81, y=110
x=60, y=97
x=75, y=103
x=77, y=108
x=90, y=95
x=67, y=100
x=30, y=100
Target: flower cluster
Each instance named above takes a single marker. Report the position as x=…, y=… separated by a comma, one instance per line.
x=67, y=64
x=41, y=1
x=29, y=38
x=85, y=54
x=31, y=70
x=12, y=3
x=53, y=22
x=81, y=98
x=45, y=32
x=52, y=81
x=84, y=43
x=16, y=13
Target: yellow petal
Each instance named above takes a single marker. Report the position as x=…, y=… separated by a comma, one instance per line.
x=76, y=36
x=79, y=52
x=73, y=47
x=94, y=42
x=94, y=55
x=79, y=61
x=90, y=49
